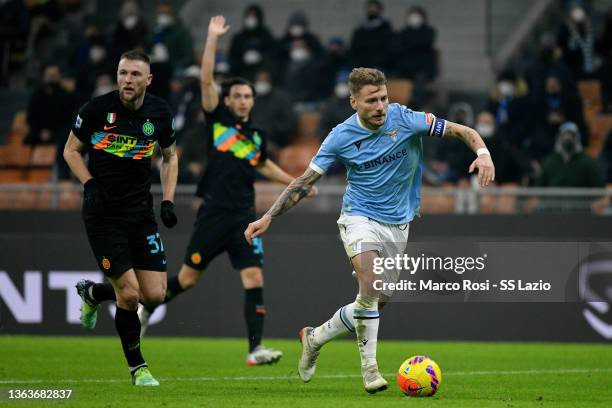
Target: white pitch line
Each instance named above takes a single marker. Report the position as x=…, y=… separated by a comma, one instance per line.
x=324, y=376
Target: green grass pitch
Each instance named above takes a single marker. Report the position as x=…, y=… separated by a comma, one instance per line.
x=203, y=372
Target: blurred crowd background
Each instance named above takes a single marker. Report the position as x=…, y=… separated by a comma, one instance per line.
x=537, y=83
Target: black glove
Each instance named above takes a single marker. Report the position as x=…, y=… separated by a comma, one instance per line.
x=167, y=213
x=94, y=197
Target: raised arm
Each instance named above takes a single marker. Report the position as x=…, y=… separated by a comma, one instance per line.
x=295, y=191
x=484, y=163
x=210, y=97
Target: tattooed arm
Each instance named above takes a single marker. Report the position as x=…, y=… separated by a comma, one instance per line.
x=295, y=191
x=484, y=164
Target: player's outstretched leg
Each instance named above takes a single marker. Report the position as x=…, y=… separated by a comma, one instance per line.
x=89, y=306
x=312, y=340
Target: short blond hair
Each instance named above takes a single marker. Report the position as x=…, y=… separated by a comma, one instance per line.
x=361, y=77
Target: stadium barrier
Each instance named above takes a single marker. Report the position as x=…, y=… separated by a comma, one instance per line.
x=44, y=253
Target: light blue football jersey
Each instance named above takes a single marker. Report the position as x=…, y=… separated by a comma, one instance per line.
x=383, y=168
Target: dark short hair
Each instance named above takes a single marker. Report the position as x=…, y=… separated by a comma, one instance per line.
x=226, y=85
x=137, y=55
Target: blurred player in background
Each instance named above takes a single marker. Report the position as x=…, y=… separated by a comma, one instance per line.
x=381, y=147
x=119, y=131
x=236, y=151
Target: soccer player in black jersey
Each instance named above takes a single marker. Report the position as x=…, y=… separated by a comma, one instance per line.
x=236, y=151
x=119, y=131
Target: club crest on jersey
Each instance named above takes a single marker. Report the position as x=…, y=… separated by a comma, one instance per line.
x=111, y=117
x=148, y=128
x=105, y=263
x=392, y=133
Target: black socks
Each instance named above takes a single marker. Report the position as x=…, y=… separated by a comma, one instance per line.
x=128, y=327
x=254, y=311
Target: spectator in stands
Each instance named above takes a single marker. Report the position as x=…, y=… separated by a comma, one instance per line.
x=548, y=62
x=104, y=84
x=50, y=109
x=568, y=165
x=604, y=48
x=130, y=32
x=330, y=66
x=174, y=36
x=511, y=165
x=98, y=63
x=14, y=26
x=370, y=41
x=273, y=111
x=298, y=29
x=185, y=102
x=556, y=107
x=451, y=156
x=162, y=69
x=251, y=49
x=413, y=53
x=509, y=103
x=335, y=109
x=577, y=40
x=300, y=79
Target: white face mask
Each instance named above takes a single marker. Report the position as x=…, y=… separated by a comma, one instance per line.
x=296, y=30
x=485, y=130
x=164, y=20
x=415, y=20
x=263, y=87
x=160, y=53
x=129, y=22
x=251, y=22
x=103, y=89
x=578, y=14
x=506, y=88
x=299, y=54
x=341, y=90
x=251, y=57
x=97, y=54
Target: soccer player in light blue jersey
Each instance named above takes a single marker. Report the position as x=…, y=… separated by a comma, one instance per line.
x=381, y=147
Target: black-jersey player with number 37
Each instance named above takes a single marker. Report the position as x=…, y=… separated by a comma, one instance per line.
x=119, y=131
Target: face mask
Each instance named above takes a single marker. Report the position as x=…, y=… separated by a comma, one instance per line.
x=341, y=90
x=578, y=15
x=96, y=54
x=296, y=30
x=164, y=20
x=251, y=57
x=251, y=22
x=485, y=130
x=263, y=87
x=129, y=22
x=102, y=90
x=568, y=146
x=299, y=54
x=415, y=20
x=506, y=88
x=160, y=53
x=372, y=16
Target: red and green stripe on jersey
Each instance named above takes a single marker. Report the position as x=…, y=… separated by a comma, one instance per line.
x=229, y=139
x=123, y=145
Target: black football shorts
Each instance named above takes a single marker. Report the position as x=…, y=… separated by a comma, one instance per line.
x=219, y=230
x=122, y=242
